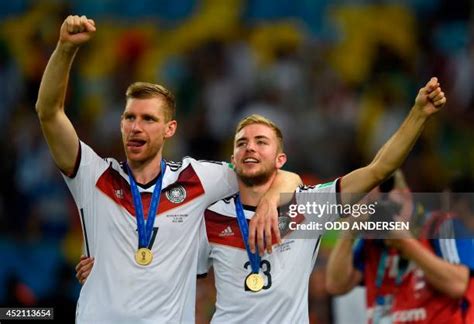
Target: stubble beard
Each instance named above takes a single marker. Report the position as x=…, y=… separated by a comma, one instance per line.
x=255, y=179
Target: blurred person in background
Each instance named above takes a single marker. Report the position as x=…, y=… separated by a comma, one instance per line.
x=425, y=280
x=264, y=289
x=140, y=276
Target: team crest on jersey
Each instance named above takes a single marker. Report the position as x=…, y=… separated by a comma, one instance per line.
x=176, y=194
x=118, y=193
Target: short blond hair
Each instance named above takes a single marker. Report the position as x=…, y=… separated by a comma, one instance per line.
x=147, y=90
x=259, y=119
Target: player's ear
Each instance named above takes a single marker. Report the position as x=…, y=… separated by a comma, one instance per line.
x=280, y=160
x=232, y=159
x=170, y=128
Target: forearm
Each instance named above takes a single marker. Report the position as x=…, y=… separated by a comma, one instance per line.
x=391, y=156
x=450, y=279
x=53, y=85
x=340, y=272
x=284, y=182
x=57, y=128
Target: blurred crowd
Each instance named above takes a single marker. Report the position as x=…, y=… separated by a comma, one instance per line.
x=337, y=76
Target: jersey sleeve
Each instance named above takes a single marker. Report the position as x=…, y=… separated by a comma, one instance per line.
x=318, y=203
x=452, y=249
x=90, y=167
x=218, y=178
x=204, y=260
x=81, y=185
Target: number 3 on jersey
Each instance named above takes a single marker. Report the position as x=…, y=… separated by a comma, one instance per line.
x=266, y=268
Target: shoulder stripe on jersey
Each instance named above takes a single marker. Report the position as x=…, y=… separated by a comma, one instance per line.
x=86, y=240
x=112, y=184
x=449, y=250
x=448, y=246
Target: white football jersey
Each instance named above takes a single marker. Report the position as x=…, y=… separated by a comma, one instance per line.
x=286, y=271
x=119, y=290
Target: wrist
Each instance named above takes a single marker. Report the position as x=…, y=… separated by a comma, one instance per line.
x=418, y=114
x=405, y=246
x=67, y=48
x=271, y=198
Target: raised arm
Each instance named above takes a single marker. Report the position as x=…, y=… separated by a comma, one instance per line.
x=57, y=129
x=430, y=100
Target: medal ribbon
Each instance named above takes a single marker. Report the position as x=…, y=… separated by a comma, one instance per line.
x=145, y=229
x=381, y=269
x=254, y=258
x=380, y=300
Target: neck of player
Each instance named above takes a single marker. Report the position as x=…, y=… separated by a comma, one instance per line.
x=145, y=172
x=251, y=195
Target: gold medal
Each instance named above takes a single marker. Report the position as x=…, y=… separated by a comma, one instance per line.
x=143, y=256
x=254, y=282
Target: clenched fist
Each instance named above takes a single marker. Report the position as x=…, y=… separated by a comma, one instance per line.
x=76, y=30
x=430, y=98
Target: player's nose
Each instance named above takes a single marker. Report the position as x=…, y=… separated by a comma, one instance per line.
x=250, y=147
x=136, y=127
